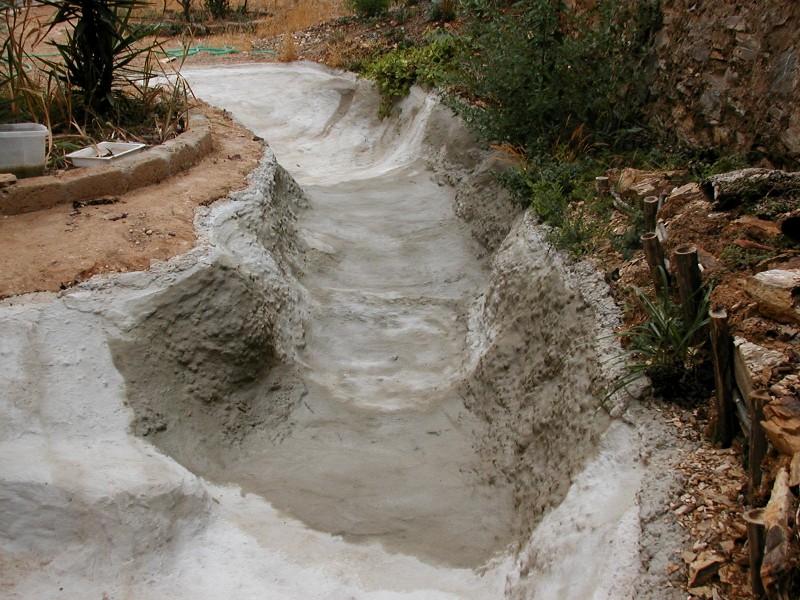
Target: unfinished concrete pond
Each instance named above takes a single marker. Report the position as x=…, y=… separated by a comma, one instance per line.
x=371, y=379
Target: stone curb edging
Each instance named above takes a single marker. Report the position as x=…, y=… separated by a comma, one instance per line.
x=139, y=170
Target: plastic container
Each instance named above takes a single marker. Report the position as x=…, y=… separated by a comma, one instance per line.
x=103, y=153
x=22, y=149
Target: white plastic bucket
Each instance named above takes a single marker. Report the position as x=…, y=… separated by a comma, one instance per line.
x=22, y=149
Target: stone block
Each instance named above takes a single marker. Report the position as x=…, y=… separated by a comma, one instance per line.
x=34, y=193
x=150, y=167
x=87, y=183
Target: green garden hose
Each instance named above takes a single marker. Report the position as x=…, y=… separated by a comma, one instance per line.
x=213, y=50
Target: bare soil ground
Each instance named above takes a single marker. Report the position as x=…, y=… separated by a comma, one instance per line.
x=52, y=249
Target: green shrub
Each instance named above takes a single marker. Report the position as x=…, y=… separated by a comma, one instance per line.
x=575, y=233
x=666, y=348
x=541, y=70
x=396, y=72
x=369, y=8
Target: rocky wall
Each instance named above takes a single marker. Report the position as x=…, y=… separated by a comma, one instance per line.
x=727, y=77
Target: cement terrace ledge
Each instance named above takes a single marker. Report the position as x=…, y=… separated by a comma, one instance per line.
x=152, y=165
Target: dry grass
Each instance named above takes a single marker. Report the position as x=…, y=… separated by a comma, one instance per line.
x=278, y=15
x=296, y=15
x=271, y=18
x=289, y=53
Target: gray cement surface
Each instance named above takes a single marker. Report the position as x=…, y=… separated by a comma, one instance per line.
x=281, y=412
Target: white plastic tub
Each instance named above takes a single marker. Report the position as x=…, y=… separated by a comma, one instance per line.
x=22, y=149
x=103, y=153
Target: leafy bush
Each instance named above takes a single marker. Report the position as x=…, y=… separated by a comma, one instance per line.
x=539, y=69
x=396, y=72
x=575, y=233
x=218, y=9
x=369, y=8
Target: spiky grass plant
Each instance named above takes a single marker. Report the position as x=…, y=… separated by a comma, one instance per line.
x=665, y=348
x=70, y=92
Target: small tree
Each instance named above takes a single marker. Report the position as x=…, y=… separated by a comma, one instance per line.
x=186, y=9
x=218, y=9
x=100, y=47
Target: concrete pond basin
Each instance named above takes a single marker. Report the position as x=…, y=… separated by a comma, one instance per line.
x=372, y=378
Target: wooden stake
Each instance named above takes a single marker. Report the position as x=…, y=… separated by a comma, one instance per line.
x=602, y=186
x=650, y=212
x=776, y=566
x=756, y=534
x=655, y=258
x=758, y=441
x=722, y=353
x=688, y=274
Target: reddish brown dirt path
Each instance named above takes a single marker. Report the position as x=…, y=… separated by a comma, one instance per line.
x=51, y=249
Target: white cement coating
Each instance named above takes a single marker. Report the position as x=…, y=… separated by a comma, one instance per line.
x=374, y=487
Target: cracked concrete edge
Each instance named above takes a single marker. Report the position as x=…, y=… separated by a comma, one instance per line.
x=139, y=170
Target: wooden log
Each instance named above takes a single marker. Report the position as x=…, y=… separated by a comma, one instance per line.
x=742, y=413
x=755, y=543
x=736, y=187
x=776, y=566
x=650, y=207
x=753, y=365
x=722, y=354
x=758, y=441
x=687, y=272
x=654, y=254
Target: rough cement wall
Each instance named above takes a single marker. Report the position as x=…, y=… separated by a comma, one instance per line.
x=728, y=78
x=197, y=350
x=543, y=410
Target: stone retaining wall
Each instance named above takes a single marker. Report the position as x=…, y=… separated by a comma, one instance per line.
x=728, y=77
x=129, y=173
